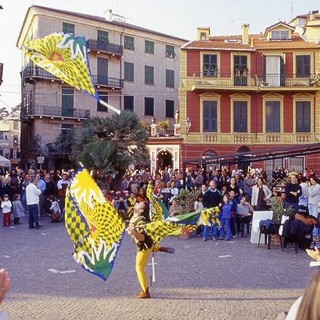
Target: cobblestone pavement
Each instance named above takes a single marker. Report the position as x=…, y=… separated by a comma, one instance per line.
x=213, y=279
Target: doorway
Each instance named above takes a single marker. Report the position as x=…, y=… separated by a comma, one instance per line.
x=164, y=160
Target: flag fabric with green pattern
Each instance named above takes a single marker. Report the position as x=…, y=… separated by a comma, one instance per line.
x=65, y=56
x=94, y=226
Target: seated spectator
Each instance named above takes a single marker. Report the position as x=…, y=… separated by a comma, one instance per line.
x=175, y=208
x=244, y=212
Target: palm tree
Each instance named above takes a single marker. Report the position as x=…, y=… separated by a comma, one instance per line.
x=111, y=144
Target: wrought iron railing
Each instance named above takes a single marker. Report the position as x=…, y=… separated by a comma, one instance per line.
x=51, y=111
x=258, y=81
x=99, y=80
x=96, y=45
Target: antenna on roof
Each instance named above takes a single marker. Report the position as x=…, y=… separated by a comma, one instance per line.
x=291, y=8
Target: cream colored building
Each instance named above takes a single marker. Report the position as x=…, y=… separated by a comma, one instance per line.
x=10, y=138
x=133, y=68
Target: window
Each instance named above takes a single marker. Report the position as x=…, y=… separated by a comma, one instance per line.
x=129, y=43
x=210, y=68
x=303, y=65
x=66, y=128
x=101, y=107
x=240, y=70
x=103, y=36
x=148, y=106
x=170, y=51
x=203, y=36
x=240, y=116
x=148, y=75
x=303, y=116
x=102, y=68
x=129, y=71
x=68, y=28
x=210, y=121
x=149, y=47
x=280, y=35
x=170, y=78
x=129, y=103
x=169, y=108
x=273, y=116
x=67, y=102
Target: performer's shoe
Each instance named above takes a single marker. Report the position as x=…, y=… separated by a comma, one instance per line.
x=143, y=294
x=167, y=250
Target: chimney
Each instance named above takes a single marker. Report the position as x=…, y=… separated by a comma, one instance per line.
x=203, y=33
x=245, y=33
x=108, y=15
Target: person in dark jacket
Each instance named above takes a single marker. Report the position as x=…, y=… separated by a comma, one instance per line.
x=293, y=193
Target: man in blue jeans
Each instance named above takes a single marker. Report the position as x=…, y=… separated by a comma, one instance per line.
x=211, y=198
x=33, y=199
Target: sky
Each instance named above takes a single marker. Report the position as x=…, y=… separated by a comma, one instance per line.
x=174, y=17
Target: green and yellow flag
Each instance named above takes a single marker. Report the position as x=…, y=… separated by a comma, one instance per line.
x=94, y=225
x=65, y=56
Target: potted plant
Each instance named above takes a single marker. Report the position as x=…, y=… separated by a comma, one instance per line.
x=278, y=211
x=164, y=125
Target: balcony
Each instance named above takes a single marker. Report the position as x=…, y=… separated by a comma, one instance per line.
x=255, y=138
x=105, y=47
x=201, y=81
x=33, y=74
x=55, y=112
x=107, y=82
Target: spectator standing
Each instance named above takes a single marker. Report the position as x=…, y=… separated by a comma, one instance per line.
x=225, y=217
x=260, y=194
x=211, y=198
x=42, y=186
x=18, y=209
x=313, y=201
x=6, y=206
x=293, y=192
x=174, y=191
x=303, y=200
x=62, y=186
x=32, y=197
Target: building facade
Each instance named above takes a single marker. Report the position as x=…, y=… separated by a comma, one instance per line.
x=133, y=68
x=10, y=138
x=252, y=92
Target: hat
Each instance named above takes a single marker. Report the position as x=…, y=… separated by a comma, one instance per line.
x=6, y=196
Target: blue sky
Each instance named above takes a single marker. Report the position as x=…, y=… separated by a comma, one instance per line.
x=175, y=17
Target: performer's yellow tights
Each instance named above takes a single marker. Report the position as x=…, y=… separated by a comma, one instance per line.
x=142, y=258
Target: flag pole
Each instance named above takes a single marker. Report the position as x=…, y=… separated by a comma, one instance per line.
x=153, y=268
x=109, y=106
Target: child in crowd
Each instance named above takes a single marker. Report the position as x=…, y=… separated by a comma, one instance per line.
x=225, y=218
x=6, y=206
x=55, y=210
x=17, y=209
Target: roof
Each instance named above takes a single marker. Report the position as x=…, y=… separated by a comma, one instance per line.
x=101, y=19
x=256, y=42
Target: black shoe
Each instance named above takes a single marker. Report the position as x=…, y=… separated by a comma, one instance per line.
x=39, y=226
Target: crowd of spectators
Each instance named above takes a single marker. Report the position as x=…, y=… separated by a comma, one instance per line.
x=246, y=190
